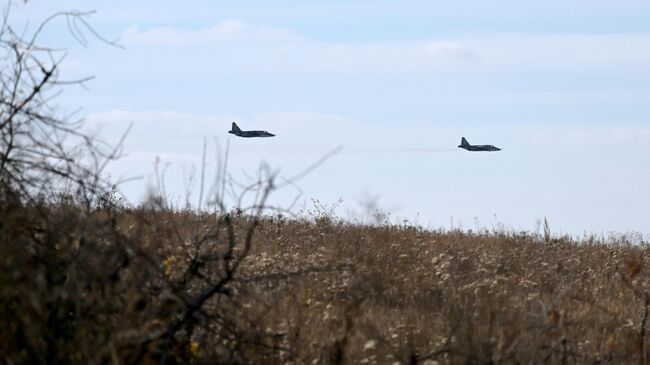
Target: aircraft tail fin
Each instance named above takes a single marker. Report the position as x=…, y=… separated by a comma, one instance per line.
x=463, y=142
x=235, y=128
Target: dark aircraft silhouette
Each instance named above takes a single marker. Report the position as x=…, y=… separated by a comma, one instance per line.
x=249, y=134
x=477, y=147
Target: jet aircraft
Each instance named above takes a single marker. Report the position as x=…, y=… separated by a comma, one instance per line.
x=477, y=147
x=248, y=134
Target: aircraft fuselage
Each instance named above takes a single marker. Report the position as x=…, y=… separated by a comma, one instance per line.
x=481, y=147
x=251, y=134
x=478, y=147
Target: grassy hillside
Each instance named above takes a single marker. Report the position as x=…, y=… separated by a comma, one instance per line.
x=120, y=285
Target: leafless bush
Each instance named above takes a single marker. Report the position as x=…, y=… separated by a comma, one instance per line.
x=41, y=149
x=86, y=279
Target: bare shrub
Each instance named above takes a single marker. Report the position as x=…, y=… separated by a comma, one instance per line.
x=86, y=279
x=42, y=151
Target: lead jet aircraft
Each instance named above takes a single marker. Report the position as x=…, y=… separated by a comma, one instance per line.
x=248, y=134
x=477, y=147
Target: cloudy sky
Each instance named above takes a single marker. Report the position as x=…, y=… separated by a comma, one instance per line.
x=562, y=86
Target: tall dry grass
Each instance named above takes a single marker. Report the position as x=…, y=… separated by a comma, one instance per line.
x=107, y=286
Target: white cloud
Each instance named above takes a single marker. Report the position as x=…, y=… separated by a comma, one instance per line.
x=117, y=116
x=236, y=45
x=224, y=32
x=157, y=131
x=384, y=56
x=303, y=121
x=581, y=52
x=593, y=136
x=450, y=50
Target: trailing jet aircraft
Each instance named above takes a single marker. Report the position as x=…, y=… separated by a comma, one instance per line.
x=248, y=134
x=477, y=147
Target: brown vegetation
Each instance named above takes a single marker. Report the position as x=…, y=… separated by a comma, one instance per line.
x=129, y=286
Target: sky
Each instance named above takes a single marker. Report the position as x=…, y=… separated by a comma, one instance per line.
x=563, y=87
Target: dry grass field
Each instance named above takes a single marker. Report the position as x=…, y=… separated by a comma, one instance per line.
x=144, y=285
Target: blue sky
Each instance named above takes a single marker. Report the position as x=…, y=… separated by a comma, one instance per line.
x=562, y=86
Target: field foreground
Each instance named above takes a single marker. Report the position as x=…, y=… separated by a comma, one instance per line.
x=156, y=286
